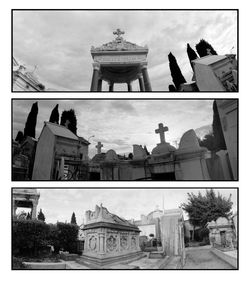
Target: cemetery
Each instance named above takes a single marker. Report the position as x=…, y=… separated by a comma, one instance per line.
x=60, y=154
x=108, y=241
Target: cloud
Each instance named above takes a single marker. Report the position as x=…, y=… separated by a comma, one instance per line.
x=59, y=42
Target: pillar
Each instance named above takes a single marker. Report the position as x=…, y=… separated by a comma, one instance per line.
x=146, y=77
x=141, y=83
x=33, y=211
x=129, y=87
x=95, y=77
x=101, y=243
x=99, y=87
x=111, y=86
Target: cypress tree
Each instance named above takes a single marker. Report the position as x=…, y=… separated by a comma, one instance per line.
x=30, y=125
x=54, y=116
x=73, y=218
x=71, y=117
x=41, y=216
x=172, y=88
x=219, y=140
x=202, y=48
x=191, y=54
x=176, y=74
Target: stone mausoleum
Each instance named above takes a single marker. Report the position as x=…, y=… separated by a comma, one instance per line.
x=119, y=62
x=109, y=239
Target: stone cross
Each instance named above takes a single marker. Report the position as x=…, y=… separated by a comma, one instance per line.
x=161, y=130
x=99, y=147
x=118, y=32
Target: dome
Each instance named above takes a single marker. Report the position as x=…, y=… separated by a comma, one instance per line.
x=163, y=148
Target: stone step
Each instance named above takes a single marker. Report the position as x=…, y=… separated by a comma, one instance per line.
x=157, y=255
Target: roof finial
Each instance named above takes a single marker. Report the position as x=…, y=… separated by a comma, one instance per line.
x=118, y=32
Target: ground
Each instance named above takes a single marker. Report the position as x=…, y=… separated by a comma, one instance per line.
x=202, y=258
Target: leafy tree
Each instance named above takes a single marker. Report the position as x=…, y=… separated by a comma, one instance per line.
x=219, y=140
x=73, y=218
x=30, y=125
x=203, y=48
x=71, y=117
x=176, y=74
x=41, y=216
x=202, y=209
x=19, y=137
x=191, y=54
x=54, y=116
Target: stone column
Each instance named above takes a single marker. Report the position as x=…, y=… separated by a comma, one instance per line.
x=95, y=77
x=101, y=242
x=146, y=77
x=33, y=211
x=111, y=86
x=129, y=87
x=99, y=88
x=141, y=83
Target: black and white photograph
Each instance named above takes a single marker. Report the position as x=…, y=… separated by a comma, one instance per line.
x=124, y=229
x=125, y=50
x=164, y=140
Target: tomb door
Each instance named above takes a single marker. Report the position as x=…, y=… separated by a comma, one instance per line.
x=223, y=238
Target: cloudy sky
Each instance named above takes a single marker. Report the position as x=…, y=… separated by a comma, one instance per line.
x=59, y=204
x=119, y=124
x=59, y=43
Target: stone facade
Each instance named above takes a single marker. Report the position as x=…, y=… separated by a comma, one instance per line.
x=58, y=152
x=109, y=238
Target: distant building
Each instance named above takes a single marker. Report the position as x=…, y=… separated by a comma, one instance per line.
x=58, y=153
x=24, y=80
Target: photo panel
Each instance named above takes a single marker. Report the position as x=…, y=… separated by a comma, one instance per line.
x=124, y=139
x=125, y=50
x=126, y=229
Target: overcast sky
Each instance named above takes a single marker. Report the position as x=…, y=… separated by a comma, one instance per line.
x=59, y=42
x=119, y=124
x=59, y=204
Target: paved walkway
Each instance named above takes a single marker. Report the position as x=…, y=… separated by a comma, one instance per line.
x=202, y=258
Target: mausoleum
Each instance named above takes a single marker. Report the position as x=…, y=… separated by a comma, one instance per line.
x=109, y=239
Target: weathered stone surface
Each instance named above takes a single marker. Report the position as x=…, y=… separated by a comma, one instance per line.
x=189, y=141
x=139, y=152
x=111, y=155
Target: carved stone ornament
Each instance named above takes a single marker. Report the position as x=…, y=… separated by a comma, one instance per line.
x=124, y=242
x=93, y=243
x=111, y=243
x=133, y=243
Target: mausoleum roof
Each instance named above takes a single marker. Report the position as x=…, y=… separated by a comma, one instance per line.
x=210, y=59
x=61, y=131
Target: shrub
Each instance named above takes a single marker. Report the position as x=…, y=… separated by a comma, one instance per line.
x=17, y=263
x=29, y=237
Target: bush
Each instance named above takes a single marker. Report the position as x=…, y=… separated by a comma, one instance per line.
x=29, y=237
x=17, y=263
x=67, y=235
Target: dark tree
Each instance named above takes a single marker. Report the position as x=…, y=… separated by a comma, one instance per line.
x=71, y=117
x=28, y=216
x=73, y=218
x=203, y=48
x=54, y=116
x=172, y=88
x=19, y=137
x=219, y=140
x=130, y=156
x=208, y=142
x=41, y=216
x=202, y=209
x=145, y=148
x=191, y=54
x=30, y=125
x=176, y=74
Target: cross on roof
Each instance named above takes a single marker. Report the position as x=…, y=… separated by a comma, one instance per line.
x=99, y=147
x=118, y=32
x=161, y=130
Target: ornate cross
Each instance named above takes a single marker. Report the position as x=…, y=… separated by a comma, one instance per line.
x=118, y=32
x=99, y=147
x=161, y=130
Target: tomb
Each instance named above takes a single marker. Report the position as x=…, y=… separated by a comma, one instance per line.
x=109, y=239
x=188, y=162
x=59, y=154
x=216, y=73
x=228, y=112
x=120, y=61
x=25, y=198
x=222, y=233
